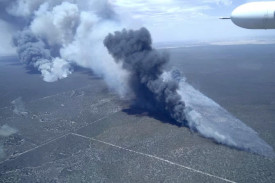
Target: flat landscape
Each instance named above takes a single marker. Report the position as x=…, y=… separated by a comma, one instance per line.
x=77, y=130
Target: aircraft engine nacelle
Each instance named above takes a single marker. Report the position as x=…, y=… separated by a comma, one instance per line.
x=255, y=15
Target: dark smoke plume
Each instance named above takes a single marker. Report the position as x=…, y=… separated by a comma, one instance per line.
x=33, y=52
x=30, y=49
x=145, y=65
x=56, y=35
x=156, y=89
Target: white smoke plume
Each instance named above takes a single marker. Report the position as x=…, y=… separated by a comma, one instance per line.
x=210, y=120
x=19, y=107
x=5, y=131
x=59, y=34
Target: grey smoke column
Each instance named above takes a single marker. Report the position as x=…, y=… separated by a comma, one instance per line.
x=30, y=49
x=56, y=35
x=145, y=64
x=33, y=52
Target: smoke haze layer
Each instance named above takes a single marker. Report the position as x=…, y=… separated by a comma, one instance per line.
x=210, y=120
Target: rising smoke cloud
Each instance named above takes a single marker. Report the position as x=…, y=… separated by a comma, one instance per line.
x=145, y=65
x=169, y=93
x=34, y=54
x=55, y=35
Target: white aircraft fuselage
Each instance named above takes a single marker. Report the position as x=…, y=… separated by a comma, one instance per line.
x=255, y=15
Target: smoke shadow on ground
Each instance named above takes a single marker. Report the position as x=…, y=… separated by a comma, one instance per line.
x=77, y=69
x=32, y=71
x=139, y=112
x=15, y=64
x=11, y=60
x=86, y=71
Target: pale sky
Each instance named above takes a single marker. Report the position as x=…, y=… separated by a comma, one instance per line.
x=174, y=21
x=189, y=20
